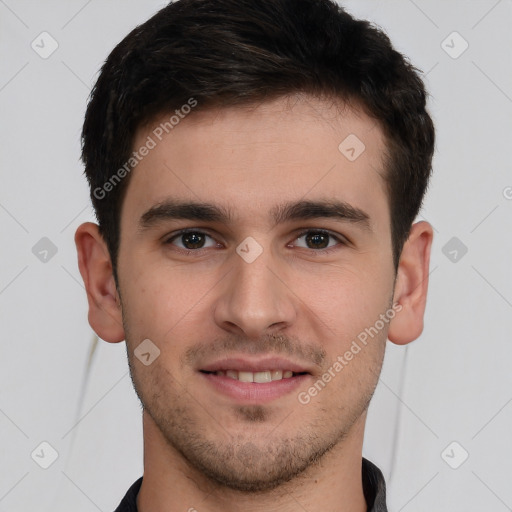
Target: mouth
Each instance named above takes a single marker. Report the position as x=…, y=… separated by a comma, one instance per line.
x=250, y=381
x=260, y=377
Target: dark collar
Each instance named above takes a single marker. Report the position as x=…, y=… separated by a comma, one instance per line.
x=374, y=487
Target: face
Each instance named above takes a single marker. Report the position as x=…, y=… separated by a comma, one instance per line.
x=285, y=261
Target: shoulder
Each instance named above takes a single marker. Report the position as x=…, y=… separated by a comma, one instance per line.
x=129, y=502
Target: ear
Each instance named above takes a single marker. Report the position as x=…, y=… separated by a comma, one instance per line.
x=105, y=313
x=411, y=285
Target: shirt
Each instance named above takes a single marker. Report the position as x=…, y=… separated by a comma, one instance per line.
x=374, y=489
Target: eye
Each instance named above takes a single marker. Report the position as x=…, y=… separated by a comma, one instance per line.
x=319, y=239
x=191, y=240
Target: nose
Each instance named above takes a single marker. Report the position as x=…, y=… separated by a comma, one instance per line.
x=255, y=299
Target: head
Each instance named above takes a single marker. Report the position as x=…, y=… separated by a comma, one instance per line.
x=249, y=123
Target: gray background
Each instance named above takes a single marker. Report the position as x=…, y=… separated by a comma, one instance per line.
x=452, y=385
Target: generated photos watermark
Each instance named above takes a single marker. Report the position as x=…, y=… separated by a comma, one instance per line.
x=304, y=397
x=151, y=142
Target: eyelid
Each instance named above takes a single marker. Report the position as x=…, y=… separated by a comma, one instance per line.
x=324, y=231
x=168, y=239
x=342, y=241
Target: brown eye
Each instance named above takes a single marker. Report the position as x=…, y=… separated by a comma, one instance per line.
x=320, y=240
x=317, y=240
x=191, y=240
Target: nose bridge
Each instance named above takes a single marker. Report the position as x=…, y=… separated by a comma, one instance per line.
x=254, y=280
x=254, y=299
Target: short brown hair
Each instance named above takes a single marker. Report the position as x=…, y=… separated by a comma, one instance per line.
x=234, y=52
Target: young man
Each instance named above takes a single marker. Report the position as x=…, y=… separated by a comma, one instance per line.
x=256, y=167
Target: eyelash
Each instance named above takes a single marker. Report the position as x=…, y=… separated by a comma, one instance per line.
x=328, y=250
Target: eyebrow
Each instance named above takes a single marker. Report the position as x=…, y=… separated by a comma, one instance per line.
x=172, y=209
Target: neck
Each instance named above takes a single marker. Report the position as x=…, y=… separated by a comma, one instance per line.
x=170, y=484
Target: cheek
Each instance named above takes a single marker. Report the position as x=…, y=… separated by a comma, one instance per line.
x=346, y=298
x=162, y=299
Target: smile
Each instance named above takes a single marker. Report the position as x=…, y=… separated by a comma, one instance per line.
x=260, y=377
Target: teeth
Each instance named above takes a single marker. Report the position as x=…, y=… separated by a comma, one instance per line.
x=277, y=375
x=246, y=376
x=262, y=377
x=259, y=377
x=232, y=373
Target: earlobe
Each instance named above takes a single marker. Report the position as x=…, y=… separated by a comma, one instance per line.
x=105, y=314
x=412, y=285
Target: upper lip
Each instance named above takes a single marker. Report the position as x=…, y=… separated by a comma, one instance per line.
x=255, y=365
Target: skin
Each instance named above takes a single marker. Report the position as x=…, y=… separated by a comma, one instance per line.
x=202, y=449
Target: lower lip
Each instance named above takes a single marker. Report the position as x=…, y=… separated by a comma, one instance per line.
x=254, y=391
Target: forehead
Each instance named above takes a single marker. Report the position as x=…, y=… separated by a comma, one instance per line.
x=251, y=159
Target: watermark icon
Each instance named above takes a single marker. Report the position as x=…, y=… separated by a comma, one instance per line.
x=454, y=455
x=507, y=193
x=44, y=45
x=304, y=397
x=454, y=45
x=146, y=352
x=44, y=455
x=454, y=250
x=352, y=147
x=249, y=249
x=44, y=250
x=151, y=142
